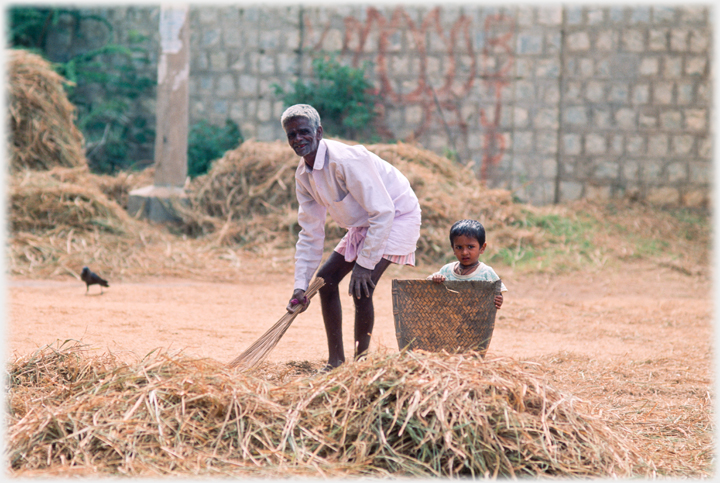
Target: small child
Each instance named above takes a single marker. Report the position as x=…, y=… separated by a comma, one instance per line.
x=467, y=239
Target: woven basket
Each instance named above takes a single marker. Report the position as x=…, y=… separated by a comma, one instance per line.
x=451, y=316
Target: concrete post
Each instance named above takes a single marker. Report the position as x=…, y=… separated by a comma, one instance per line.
x=171, y=132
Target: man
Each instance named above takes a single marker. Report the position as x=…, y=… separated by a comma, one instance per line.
x=362, y=193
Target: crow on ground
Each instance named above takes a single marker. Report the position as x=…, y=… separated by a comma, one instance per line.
x=92, y=278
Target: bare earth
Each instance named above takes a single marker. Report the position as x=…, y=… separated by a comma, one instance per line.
x=643, y=312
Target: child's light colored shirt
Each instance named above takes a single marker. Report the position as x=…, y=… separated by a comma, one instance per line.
x=481, y=272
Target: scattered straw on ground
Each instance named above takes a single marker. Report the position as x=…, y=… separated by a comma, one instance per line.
x=412, y=414
x=40, y=117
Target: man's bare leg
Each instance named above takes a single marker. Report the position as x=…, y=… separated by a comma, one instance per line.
x=332, y=272
x=365, y=313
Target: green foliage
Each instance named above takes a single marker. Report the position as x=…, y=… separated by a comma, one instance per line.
x=341, y=94
x=108, y=86
x=566, y=243
x=207, y=143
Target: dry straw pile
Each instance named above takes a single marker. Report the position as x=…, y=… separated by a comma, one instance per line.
x=40, y=117
x=248, y=198
x=412, y=414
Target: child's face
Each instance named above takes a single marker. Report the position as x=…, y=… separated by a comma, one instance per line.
x=467, y=250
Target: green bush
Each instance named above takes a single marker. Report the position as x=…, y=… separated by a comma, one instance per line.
x=207, y=143
x=341, y=94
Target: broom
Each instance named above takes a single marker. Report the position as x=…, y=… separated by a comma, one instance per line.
x=267, y=342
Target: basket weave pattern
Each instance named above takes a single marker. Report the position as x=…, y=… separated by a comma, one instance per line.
x=451, y=316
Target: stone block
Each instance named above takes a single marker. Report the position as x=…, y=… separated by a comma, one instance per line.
x=633, y=40
x=672, y=67
x=630, y=170
x=266, y=64
x=578, y=42
x=606, y=41
x=548, y=68
x=695, y=65
x=247, y=85
x=640, y=15
x=586, y=68
x=601, y=118
x=663, y=196
x=549, y=15
x=572, y=91
x=617, y=14
x=635, y=144
x=705, y=147
x=676, y=172
x=206, y=84
x=658, y=40
x=678, y=40
x=546, y=118
x=232, y=38
x=671, y=120
x=704, y=92
x=520, y=117
x=575, y=115
x=700, y=172
x=641, y=94
x=207, y=15
x=211, y=38
x=218, y=61
x=618, y=93
x=219, y=109
x=647, y=120
x=523, y=142
x=595, y=91
x=699, y=41
x=572, y=144
x=683, y=144
x=571, y=190
x=553, y=43
x=574, y=14
x=595, y=144
x=658, y=145
x=529, y=43
x=267, y=131
x=225, y=86
x=697, y=14
x=662, y=14
x=595, y=192
x=696, y=198
x=595, y=16
x=626, y=118
x=546, y=142
x=649, y=66
x=696, y=119
x=617, y=141
x=662, y=93
x=685, y=93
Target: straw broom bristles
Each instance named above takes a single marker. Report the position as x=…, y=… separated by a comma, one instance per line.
x=254, y=354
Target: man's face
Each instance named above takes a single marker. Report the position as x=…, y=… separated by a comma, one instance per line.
x=301, y=136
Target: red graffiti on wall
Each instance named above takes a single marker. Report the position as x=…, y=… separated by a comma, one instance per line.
x=496, y=79
x=380, y=34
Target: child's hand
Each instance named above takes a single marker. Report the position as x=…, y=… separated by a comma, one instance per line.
x=498, y=301
x=437, y=278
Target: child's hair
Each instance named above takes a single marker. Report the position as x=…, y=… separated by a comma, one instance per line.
x=469, y=228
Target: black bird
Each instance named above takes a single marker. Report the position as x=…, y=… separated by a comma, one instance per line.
x=92, y=278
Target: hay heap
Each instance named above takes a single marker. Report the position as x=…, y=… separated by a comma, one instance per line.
x=404, y=414
x=248, y=197
x=40, y=117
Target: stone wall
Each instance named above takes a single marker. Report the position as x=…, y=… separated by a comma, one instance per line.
x=555, y=103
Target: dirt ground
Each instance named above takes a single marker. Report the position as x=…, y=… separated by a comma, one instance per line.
x=638, y=313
